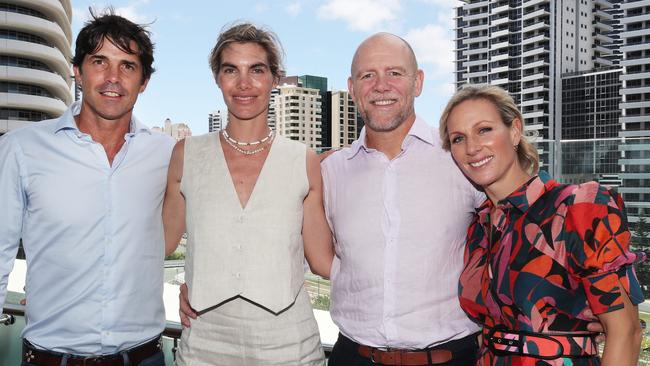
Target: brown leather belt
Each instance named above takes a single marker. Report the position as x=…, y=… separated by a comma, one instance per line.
x=135, y=355
x=406, y=357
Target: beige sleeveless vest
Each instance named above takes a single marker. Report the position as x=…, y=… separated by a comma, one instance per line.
x=255, y=252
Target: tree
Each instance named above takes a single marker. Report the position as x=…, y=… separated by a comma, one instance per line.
x=641, y=241
x=641, y=237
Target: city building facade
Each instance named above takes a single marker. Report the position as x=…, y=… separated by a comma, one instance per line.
x=217, y=120
x=178, y=131
x=297, y=114
x=36, y=80
x=525, y=46
x=635, y=107
x=590, y=127
x=344, y=120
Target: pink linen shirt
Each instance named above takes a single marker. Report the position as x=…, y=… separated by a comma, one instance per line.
x=399, y=228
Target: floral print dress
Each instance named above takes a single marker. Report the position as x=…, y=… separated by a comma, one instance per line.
x=541, y=258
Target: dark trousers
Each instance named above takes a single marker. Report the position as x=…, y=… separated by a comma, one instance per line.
x=157, y=359
x=345, y=352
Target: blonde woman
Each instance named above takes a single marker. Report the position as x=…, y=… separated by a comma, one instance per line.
x=539, y=254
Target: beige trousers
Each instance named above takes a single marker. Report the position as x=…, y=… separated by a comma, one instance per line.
x=241, y=333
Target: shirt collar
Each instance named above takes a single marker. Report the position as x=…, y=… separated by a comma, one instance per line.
x=522, y=198
x=67, y=121
x=420, y=130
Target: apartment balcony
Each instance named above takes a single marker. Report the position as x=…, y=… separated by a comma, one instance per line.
x=537, y=76
x=471, y=40
x=501, y=33
x=604, y=4
x=533, y=39
x=602, y=49
x=603, y=38
x=630, y=105
x=45, y=54
x=534, y=64
x=633, y=119
x=476, y=51
x=635, y=19
x=535, y=14
x=475, y=63
x=59, y=11
x=535, y=26
x=529, y=102
x=500, y=57
x=603, y=15
x=496, y=46
x=475, y=28
x=496, y=70
x=634, y=4
x=534, y=89
x=635, y=47
x=636, y=61
x=604, y=61
x=50, y=81
x=476, y=74
x=641, y=75
x=528, y=3
x=500, y=9
x=536, y=51
x=500, y=81
x=40, y=27
x=34, y=102
x=635, y=33
x=470, y=17
x=535, y=114
x=476, y=5
x=502, y=20
x=635, y=91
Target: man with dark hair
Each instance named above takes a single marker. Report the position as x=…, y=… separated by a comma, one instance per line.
x=84, y=192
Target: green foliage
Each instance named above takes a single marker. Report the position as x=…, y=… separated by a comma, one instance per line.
x=641, y=241
x=175, y=256
x=322, y=302
x=641, y=237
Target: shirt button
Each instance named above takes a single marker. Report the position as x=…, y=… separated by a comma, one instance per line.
x=238, y=275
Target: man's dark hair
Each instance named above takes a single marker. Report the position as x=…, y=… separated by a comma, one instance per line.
x=120, y=32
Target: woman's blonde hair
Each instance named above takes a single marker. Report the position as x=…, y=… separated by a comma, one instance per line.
x=505, y=105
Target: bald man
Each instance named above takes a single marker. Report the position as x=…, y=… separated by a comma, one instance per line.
x=399, y=209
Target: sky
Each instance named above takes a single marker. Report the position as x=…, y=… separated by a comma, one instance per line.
x=318, y=38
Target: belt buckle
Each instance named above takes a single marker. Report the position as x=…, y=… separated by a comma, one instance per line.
x=90, y=360
x=372, y=355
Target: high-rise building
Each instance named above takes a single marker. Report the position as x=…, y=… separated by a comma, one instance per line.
x=298, y=114
x=178, y=131
x=635, y=107
x=320, y=83
x=343, y=119
x=526, y=46
x=297, y=109
x=590, y=127
x=35, y=74
x=217, y=120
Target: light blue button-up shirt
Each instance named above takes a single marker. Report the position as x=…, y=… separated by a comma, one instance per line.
x=92, y=234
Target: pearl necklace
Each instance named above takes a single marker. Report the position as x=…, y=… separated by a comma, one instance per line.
x=247, y=152
x=252, y=143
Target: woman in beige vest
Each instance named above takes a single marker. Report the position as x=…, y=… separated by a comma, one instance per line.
x=251, y=203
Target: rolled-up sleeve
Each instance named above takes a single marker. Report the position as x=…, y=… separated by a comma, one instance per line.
x=12, y=201
x=599, y=251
